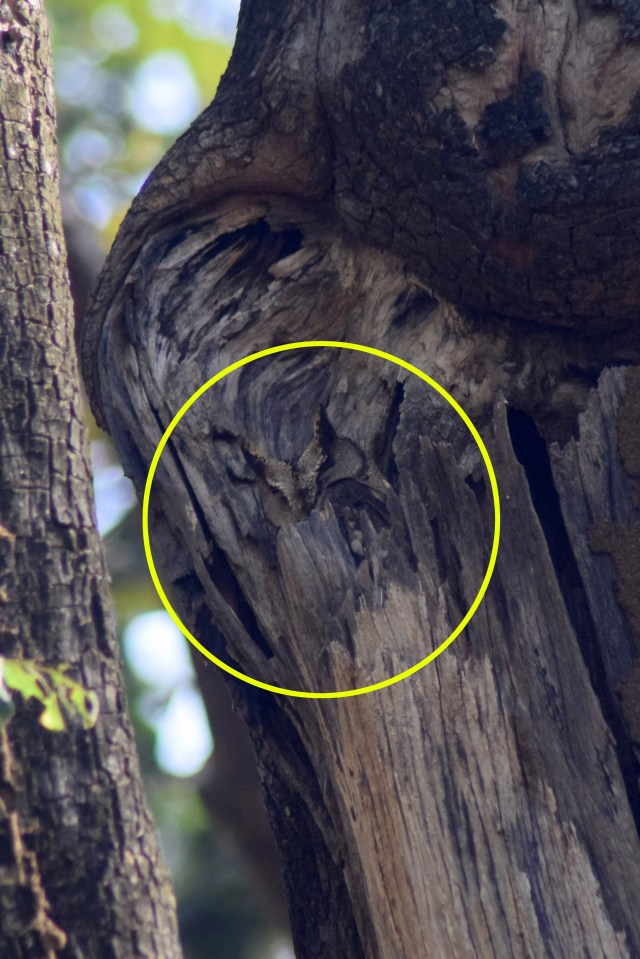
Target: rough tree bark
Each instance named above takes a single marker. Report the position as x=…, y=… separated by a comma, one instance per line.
x=80, y=869
x=457, y=184
x=229, y=784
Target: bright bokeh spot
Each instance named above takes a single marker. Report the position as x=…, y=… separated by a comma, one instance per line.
x=114, y=493
x=113, y=29
x=87, y=148
x=94, y=199
x=80, y=82
x=184, y=741
x=200, y=17
x=164, y=96
x=158, y=655
x=130, y=75
x=155, y=650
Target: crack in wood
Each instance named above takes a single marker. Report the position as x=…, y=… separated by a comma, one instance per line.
x=531, y=451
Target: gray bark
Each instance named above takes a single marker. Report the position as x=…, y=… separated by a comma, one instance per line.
x=454, y=185
x=80, y=869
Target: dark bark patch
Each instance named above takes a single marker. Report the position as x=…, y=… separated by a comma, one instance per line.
x=227, y=584
x=478, y=487
x=98, y=618
x=207, y=632
x=383, y=449
x=628, y=431
x=629, y=11
x=517, y=123
x=413, y=308
x=531, y=451
x=460, y=31
x=26, y=905
x=9, y=38
x=7, y=855
x=629, y=694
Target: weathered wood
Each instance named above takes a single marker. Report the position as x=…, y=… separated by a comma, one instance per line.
x=323, y=520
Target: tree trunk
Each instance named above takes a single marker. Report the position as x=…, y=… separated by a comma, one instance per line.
x=455, y=185
x=80, y=869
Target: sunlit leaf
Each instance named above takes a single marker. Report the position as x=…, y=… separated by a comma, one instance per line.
x=83, y=703
x=51, y=716
x=25, y=678
x=64, y=701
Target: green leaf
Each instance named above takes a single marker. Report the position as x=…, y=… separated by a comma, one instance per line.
x=63, y=700
x=24, y=677
x=77, y=702
x=51, y=716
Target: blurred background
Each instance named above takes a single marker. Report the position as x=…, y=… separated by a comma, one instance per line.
x=130, y=77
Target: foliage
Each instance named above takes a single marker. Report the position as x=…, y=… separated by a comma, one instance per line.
x=63, y=700
x=107, y=56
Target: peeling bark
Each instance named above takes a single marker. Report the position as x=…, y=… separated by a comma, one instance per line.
x=323, y=520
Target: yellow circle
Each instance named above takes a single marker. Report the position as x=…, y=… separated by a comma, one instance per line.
x=306, y=344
